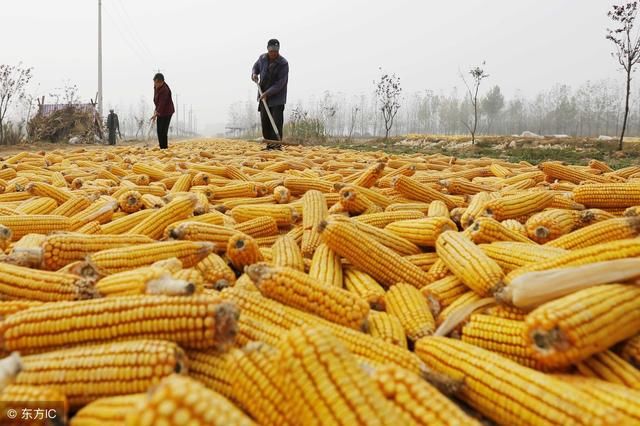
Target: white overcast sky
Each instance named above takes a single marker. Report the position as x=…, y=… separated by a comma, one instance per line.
x=206, y=48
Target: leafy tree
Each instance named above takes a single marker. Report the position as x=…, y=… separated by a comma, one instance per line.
x=388, y=93
x=627, y=45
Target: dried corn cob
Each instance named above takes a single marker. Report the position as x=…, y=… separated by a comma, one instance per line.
x=22, y=225
x=314, y=210
x=552, y=223
x=388, y=328
x=356, y=203
x=42, y=189
x=610, y=367
x=475, y=208
x=608, y=195
x=32, y=400
x=216, y=273
x=300, y=186
x=515, y=206
x=369, y=177
x=443, y=292
x=287, y=253
x=380, y=262
x=199, y=321
x=423, y=232
x=380, y=220
x=300, y=291
x=326, y=267
x=513, y=255
x=154, y=225
x=423, y=260
x=630, y=351
x=364, y=286
x=395, y=207
x=152, y=202
x=201, y=231
x=135, y=365
x=558, y=171
x=421, y=192
x=125, y=223
x=488, y=230
x=598, y=233
x=17, y=282
x=438, y=208
x=145, y=280
x=515, y=226
x=500, y=388
x=438, y=270
x=400, y=245
x=466, y=299
x=283, y=214
x=109, y=411
x=182, y=400
x=576, y=326
x=242, y=251
x=407, y=303
x=41, y=205
x=213, y=369
x=121, y=259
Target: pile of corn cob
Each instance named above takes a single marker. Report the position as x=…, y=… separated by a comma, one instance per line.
x=214, y=283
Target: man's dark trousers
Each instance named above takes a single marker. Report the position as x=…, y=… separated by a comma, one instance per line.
x=112, y=137
x=267, y=129
x=163, y=131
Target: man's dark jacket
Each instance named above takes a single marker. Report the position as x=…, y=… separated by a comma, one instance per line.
x=162, y=101
x=274, y=79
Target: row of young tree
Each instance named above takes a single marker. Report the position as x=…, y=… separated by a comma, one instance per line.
x=595, y=108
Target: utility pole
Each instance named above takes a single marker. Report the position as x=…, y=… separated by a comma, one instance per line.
x=177, y=118
x=191, y=119
x=100, y=58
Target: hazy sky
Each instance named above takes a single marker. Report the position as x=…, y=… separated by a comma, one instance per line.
x=206, y=48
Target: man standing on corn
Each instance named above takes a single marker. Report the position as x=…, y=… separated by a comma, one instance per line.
x=271, y=72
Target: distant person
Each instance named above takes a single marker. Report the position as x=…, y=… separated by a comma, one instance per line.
x=164, y=109
x=271, y=71
x=113, y=126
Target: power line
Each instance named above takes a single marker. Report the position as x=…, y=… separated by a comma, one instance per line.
x=132, y=29
x=124, y=38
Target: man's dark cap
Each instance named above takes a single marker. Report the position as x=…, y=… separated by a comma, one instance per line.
x=273, y=44
x=159, y=76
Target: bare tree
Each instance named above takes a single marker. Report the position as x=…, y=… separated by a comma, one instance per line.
x=627, y=43
x=492, y=104
x=477, y=74
x=13, y=80
x=388, y=92
x=354, y=117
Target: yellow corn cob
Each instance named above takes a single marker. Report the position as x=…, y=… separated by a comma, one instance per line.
x=138, y=180
x=574, y=327
x=300, y=186
x=7, y=211
x=300, y=291
x=216, y=273
x=256, y=385
x=369, y=177
x=513, y=255
x=395, y=242
x=142, y=189
x=501, y=336
x=121, y=259
x=59, y=250
x=282, y=195
x=475, y=208
x=267, y=242
x=149, y=201
x=326, y=267
x=410, y=393
x=500, y=171
x=264, y=226
x=90, y=228
x=72, y=206
x=610, y=367
x=283, y=214
x=213, y=218
x=314, y=210
x=22, y=225
x=507, y=392
x=632, y=211
x=274, y=317
x=125, y=223
x=380, y=220
x=287, y=253
x=621, y=398
x=620, y=249
x=561, y=172
x=515, y=206
x=423, y=261
x=101, y=211
x=42, y=205
x=42, y=189
x=387, y=328
x=552, y=223
x=192, y=277
x=423, y=232
x=183, y=183
x=149, y=170
x=213, y=369
x=386, y=266
x=563, y=201
x=488, y=230
x=464, y=187
x=372, y=194
x=145, y=280
x=469, y=263
x=9, y=307
x=395, y=207
x=443, y=292
x=438, y=208
x=598, y=233
x=201, y=231
x=515, y=226
x=198, y=321
x=630, y=351
x=135, y=365
x=324, y=381
x=242, y=250
x=154, y=225
x=357, y=203
x=182, y=400
x=506, y=312
x=438, y=270
x=608, y=195
x=364, y=286
x=233, y=172
x=599, y=165
x=231, y=203
x=109, y=411
x=421, y=192
x=407, y=303
x=20, y=283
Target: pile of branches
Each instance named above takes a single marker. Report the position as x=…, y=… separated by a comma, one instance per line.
x=65, y=123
